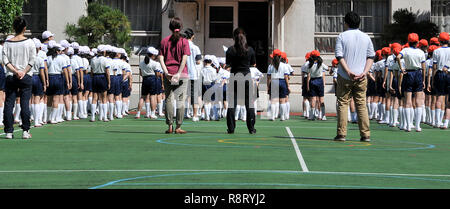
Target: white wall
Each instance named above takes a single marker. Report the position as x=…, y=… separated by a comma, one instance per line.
x=61, y=12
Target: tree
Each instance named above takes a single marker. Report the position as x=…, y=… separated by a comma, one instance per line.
x=404, y=24
x=101, y=25
x=9, y=10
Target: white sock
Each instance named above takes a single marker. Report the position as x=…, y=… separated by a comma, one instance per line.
x=445, y=123
x=119, y=108
x=272, y=109
x=160, y=107
x=395, y=118
x=288, y=109
x=307, y=108
x=322, y=111
x=283, y=111
x=424, y=113
x=17, y=112
x=277, y=109
x=408, y=118
x=101, y=113
x=418, y=113
x=236, y=112
x=441, y=118
x=243, y=113
x=400, y=109
x=54, y=114
x=147, y=108
x=111, y=111
x=433, y=117
x=75, y=110
x=349, y=115
x=387, y=115
x=311, y=113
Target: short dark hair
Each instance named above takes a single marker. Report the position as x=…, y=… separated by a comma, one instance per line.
x=19, y=24
x=188, y=33
x=352, y=19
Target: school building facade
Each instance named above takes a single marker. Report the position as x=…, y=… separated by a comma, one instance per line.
x=293, y=26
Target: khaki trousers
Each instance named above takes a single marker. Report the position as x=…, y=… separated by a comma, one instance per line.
x=179, y=94
x=345, y=90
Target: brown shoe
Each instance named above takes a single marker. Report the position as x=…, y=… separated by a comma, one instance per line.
x=365, y=139
x=180, y=131
x=339, y=138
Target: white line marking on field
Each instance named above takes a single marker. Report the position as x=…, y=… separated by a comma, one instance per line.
x=237, y=171
x=297, y=151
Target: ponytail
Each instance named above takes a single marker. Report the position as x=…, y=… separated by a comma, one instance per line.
x=240, y=42
x=147, y=59
x=175, y=26
x=276, y=62
x=312, y=60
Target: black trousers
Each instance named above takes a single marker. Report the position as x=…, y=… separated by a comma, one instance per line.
x=15, y=87
x=232, y=98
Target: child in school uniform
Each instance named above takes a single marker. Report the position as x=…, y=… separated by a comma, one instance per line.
x=441, y=59
x=38, y=86
x=87, y=93
x=305, y=94
x=57, y=71
x=393, y=89
x=126, y=82
x=101, y=82
x=209, y=77
x=414, y=78
x=315, y=82
x=285, y=60
x=77, y=81
x=257, y=76
x=277, y=77
x=148, y=69
x=429, y=98
x=67, y=105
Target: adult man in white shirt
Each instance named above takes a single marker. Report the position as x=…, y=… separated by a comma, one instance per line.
x=354, y=50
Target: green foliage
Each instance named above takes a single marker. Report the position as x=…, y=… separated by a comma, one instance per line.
x=102, y=25
x=9, y=9
x=404, y=24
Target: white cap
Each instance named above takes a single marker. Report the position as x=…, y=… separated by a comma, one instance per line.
x=101, y=48
x=47, y=34
x=222, y=60
x=75, y=45
x=91, y=53
x=95, y=50
x=64, y=43
x=37, y=43
x=70, y=51
x=58, y=46
x=208, y=57
x=215, y=61
x=152, y=50
x=52, y=44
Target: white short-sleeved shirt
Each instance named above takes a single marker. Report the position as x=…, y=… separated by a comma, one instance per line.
x=428, y=66
x=100, y=65
x=199, y=68
x=86, y=65
x=291, y=70
x=355, y=47
x=441, y=57
x=149, y=69
x=304, y=69
x=222, y=75
x=75, y=65
x=42, y=55
x=190, y=63
x=256, y=74
x=413, y=58
x=38, y=65
x=317, y=71
x=56, y=64
x=335, y=72
x=116, y=66
x=209, y=75
x=127, y=68
x=380, y=66
x=283, y=70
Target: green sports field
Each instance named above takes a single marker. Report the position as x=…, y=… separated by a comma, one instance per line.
x=136, y=154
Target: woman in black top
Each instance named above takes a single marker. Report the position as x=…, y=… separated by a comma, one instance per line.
x=239, y=58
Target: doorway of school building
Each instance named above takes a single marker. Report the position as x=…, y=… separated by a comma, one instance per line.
x=222, y=17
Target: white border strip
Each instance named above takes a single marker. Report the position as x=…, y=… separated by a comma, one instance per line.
x=297, y=151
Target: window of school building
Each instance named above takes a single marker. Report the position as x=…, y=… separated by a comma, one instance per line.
x=329, y=20
x=35, y=12
x=145, y=19
x=440, y=14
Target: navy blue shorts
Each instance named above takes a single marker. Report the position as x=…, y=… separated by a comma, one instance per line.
x=149, y=85
x=99, y=83
x=115, y=89
x=125, y=90
x=305, y=92
x=206, y=88
x=413, y=81
x=159, y=84
x=440, y=83
x=371, y=91
x=224, y=89
x=381, y=92
x=2, y=78
x=282, y=89
x=55, y=83
x=316, y=88
x=87, y=83
x=74, y=90
x=37, y=87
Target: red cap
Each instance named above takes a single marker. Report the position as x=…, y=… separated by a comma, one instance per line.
x=395, y=45
x=334, y=63
x=307, y=56
x=315, y=53
x=432, y=48
x=397, y=51
x=434, y=40
x=405, y=46
x=386, y=51
x=284, y=55
x=413, y=37
x=444, y=36
x=423, y=42
x=378, y=54
x=275, y=53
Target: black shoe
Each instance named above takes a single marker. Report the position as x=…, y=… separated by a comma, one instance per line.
x=365, y=139
x=252, y=131
x=230, y=132
x=339, y=138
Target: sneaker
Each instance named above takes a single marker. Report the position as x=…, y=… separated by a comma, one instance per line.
x=26, y=135
x=195, y=119
x=9, y=136
x=76, y=118
x=324, y=118
x=339, y=138
x=153, y=117
x=365, y=139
